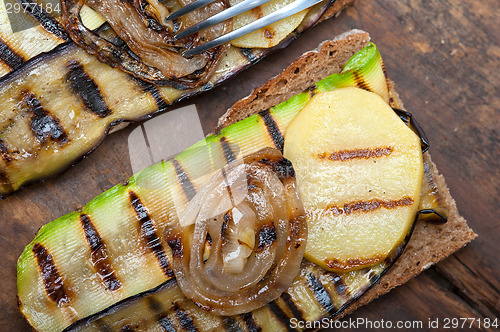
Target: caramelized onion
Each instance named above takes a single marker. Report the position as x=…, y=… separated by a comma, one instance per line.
x=152, y=54
x=250, y=219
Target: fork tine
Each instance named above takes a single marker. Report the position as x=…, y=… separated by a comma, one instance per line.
x=222, y=16
x=189, y=8
x=280, y=14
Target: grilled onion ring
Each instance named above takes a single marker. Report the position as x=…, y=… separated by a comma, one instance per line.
x=256, y=246
x=152, y=54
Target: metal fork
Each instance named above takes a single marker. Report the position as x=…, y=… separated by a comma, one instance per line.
x=230, y=12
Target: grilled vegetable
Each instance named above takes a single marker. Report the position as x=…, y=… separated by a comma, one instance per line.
x=256, y=243
x=158, y=56
x=314, y=295
x=58, y=106
x=114, y=247
x=359, y=170
x=272, y=34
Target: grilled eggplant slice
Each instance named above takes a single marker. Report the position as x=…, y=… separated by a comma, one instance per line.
x=114, y=248
x=59, y=105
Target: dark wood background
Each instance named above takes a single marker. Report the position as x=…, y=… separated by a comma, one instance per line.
x=444, y=56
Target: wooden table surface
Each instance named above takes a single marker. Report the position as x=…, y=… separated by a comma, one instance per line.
x=444, y=56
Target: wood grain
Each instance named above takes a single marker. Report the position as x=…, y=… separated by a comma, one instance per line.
x=444, y=56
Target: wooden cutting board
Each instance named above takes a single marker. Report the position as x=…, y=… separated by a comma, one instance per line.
x=444, y=56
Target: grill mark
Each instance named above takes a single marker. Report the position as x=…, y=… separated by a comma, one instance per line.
x=148, y=233
x=257, y=11
x=280, y=314
x=186, y=184
x=187, y=322
x=99, y=255
x=353, y=262
x=47, y=21
x=267, y=236
x=176, y=246
x=82, y=85
x=365, y=206
x=282, y=167
x=269, y=34
x=228, y=217
x=250, y=322
x=228, y=152
x=231, y=324
x=367, y=153
x=127, y=328
x=4, y=153
x=321, y=294
x=43, y=124
x=9, y=56
x=273, y=129
x=340, y=287
x=50, y=275
x=153, y=91
x=291, y=305
x=248, y=54
x=161, y=315
x=373, y=277
x=3, y=147
x=360, y=81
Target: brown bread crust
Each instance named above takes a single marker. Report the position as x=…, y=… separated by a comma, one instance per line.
x=429, y=243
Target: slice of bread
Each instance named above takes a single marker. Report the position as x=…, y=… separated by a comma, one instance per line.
x=430, y=242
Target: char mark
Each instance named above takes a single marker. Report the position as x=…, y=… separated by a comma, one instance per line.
x=3, y=147
x=360, y=81
x=250, y=322
x=161, y=316
x=282, y=167
x=248, y=54
x=377, y=204
x=228, y=152
x=82, y=85
x=176, y=246
x=267, y=236
x=50, y=275
x=99, y=255
x=273, y=129
x=187, y=322
x=4, y=153
x=321, y=294
x=126, y=328
x=291, y=305
x=44, y=125
x=148, y=233
x=9, y=56
x=230, y=324
x=281, y=315
x=186, y=184
x=367, y=153
x=340, y=287
x=47, y=21
x=166, y=324
x=367, y=206
x=228, y=217
x=153, y=91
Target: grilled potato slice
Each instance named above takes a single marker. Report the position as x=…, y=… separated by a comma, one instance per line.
x=359, y=169
x=272, y=34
